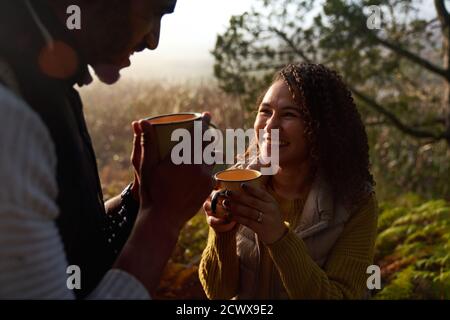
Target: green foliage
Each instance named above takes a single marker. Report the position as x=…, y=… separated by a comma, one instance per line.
x=413, y=250
x=401, y=288
x=389, y=216
x=401, y=164
x=389, y=239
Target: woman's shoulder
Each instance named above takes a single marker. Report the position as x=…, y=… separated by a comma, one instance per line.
x=365, y=205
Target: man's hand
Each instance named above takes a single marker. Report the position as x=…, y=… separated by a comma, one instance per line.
x=136, y=158
x=169, y=196
x=177, y=191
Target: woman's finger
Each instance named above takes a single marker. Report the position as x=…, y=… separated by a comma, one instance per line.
x=242, y=210
x=214, y=221
x=247, y=199
x=257, y=192
x=207, y=207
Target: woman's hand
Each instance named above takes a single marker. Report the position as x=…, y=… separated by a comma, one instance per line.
x=218, y=224
x=258, y=210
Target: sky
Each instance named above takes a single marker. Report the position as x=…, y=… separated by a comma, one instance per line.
x=187, y=37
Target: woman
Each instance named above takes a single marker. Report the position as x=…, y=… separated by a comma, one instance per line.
x=310, y=232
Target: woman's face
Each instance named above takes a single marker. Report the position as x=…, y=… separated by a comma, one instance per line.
x=279, y=111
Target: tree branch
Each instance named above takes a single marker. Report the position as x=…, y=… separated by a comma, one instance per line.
x=431, y=122
x=395, y=120
x=290, y=43
x=428, y=24
x=419, y=92
x=413, y=57
x=442, y=13
x=396, y=48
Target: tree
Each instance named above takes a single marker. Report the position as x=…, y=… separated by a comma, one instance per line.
x=399, y=72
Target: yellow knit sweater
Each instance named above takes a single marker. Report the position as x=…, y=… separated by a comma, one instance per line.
x=342, y=277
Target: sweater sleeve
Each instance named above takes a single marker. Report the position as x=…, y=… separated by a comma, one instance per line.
x=33, y=262
x=219, y=266
x=344, y=275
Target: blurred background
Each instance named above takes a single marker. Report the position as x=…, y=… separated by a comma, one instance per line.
x=219, y=55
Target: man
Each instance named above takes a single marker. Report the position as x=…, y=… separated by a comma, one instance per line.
x=52, y=213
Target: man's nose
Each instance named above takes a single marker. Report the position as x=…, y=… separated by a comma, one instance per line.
x=152, y=38
x=152, y=41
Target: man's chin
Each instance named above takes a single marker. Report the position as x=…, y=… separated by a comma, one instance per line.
x=108, y=74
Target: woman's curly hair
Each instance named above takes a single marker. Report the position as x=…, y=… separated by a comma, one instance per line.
x=333, y=127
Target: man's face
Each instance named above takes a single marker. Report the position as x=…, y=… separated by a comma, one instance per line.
x=126, y=27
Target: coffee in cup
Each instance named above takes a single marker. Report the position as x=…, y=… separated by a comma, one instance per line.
x=232, y=179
